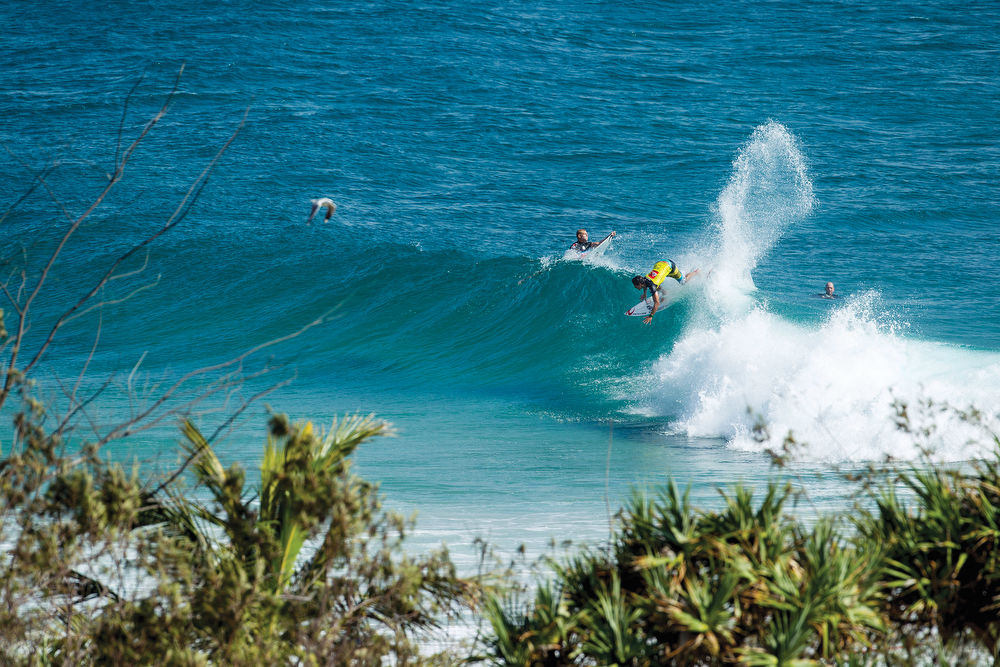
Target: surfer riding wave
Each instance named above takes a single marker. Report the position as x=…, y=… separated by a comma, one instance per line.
x=653, y=281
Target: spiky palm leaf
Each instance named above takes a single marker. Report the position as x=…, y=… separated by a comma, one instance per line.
x=761, y=532
x=509, y=644
x=707, y=612
x=613, y=631
x=663, y=533
x=298, y=469
x=787, y=637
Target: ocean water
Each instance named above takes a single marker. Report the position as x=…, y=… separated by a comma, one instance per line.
x=775, y=145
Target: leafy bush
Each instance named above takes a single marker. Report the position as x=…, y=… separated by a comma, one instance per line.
x=904, y=583
x=100, y=570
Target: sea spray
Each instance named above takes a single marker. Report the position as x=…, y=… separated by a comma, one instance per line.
x=769, y=189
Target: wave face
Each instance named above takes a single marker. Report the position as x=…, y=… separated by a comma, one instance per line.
x=720, y=359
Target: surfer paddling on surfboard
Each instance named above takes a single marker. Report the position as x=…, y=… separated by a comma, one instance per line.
x=654, y=279
x=583, y=245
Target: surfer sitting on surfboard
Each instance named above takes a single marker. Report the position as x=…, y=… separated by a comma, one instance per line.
x=583, y=245
x=654, y=279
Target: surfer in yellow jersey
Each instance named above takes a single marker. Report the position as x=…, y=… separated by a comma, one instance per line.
x=583, y=244
x=652, y=281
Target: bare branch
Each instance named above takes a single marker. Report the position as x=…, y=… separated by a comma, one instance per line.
x=15, y=300
x=90, y=357
x=10, y=297
x=24, y=276
x=80, y=406
x=119, y=171
x=40, y=176
x=40, y=180
x=225, y=425
x=124, y=430
x=146, y=421
x=129, y=274
x=179, y=213
x=121, y=124
x=111, y=302
x=131, y=376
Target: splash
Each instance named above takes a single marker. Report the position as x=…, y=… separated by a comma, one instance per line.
x=835, y=387
x=769, y=190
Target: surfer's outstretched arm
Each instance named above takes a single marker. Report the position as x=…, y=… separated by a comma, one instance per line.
x=656, y=304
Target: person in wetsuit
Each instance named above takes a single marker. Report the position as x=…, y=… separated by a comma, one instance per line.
x=582, y=243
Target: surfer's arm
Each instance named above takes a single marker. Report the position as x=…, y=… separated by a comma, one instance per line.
x=656, y=304
x=606, y=238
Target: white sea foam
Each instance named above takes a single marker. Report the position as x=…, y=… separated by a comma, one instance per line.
x=835, y=385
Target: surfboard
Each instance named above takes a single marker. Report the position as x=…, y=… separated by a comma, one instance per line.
x=573, y=253
x=643, y=308
x=669, y=294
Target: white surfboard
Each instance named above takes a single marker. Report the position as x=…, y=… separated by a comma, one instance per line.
x=670, y=292
x=643, y=308
x=597, y=251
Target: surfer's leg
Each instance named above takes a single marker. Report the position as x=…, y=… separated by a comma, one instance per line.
x=688, y=275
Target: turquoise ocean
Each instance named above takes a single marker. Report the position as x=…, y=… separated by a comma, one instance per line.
x=774, y=145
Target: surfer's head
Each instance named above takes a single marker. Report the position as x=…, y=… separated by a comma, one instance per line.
x=581, y=235
x=637, y=282
x=829, y=288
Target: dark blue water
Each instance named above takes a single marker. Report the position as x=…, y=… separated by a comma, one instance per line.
x=776, y=146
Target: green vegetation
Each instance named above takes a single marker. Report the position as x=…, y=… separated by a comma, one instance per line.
x=904, y=583
x=100, y=570
x=307, y=569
